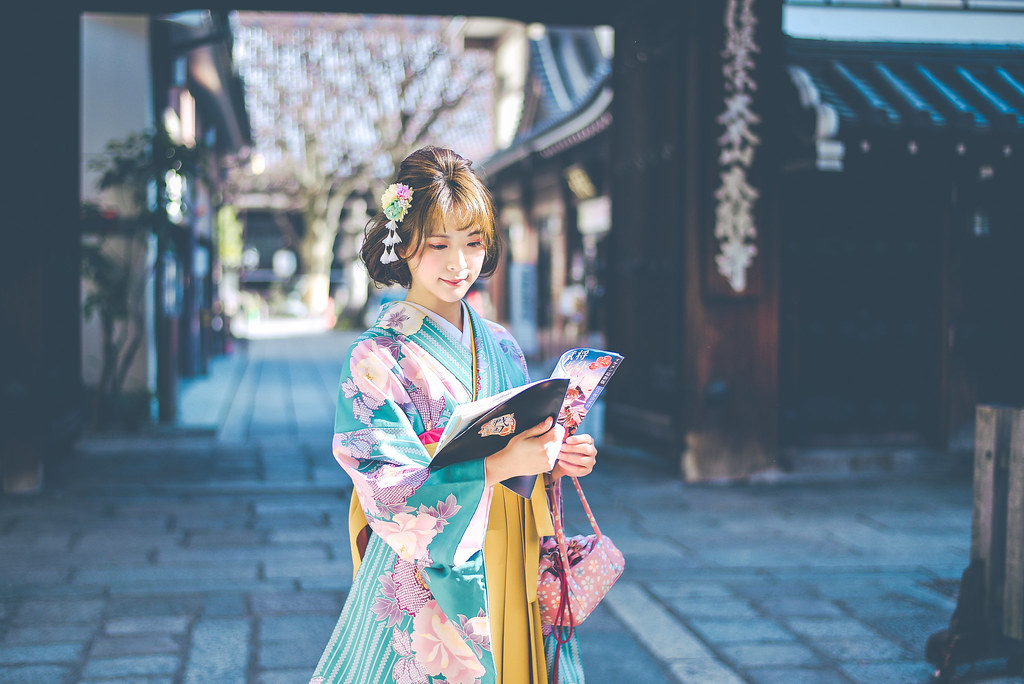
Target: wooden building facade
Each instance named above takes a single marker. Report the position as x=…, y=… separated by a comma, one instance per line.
x=816, y=243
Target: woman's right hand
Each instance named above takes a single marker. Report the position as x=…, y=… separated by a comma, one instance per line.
x=531, y=452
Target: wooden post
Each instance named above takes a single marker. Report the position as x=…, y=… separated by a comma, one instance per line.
x=997, y=524
x=988, y=522
x=1013, y=592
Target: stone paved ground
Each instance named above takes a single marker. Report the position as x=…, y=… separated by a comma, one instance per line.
x=216, y=552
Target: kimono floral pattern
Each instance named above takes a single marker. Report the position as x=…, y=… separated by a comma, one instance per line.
x=403, y=379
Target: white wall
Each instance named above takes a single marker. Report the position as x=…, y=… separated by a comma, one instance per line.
x=510, y=62
x=116, y=99
x=903, y=25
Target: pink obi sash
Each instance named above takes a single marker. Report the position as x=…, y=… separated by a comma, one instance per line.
x=431, y=436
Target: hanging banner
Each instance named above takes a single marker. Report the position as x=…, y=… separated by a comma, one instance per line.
x=736, y=211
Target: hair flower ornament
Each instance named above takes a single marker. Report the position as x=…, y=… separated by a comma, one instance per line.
x=395, y=203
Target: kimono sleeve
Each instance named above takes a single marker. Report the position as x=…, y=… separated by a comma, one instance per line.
x=422, y=515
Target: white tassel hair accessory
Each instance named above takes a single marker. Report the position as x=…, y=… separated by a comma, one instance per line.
x=395, y=203
x=390, y=240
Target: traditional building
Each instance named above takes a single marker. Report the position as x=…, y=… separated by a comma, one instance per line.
x=815, y=233
x=552, y=190
x=171, y=73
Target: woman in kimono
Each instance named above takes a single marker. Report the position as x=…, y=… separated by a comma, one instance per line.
x=445, y=588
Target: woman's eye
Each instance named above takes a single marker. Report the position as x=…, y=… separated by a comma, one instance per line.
x=438, y=247
x=476, y=244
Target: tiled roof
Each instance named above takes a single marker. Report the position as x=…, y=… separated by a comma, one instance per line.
x=894, y=86
x=571, y=82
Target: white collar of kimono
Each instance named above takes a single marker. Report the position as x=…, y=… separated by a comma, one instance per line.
x=465, y=335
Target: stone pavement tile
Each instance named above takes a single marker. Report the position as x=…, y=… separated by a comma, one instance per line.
x=332, y=474
x=337, y=583
x=295, y=676
x=767, y=654
x=664, y=636
x=34, y=612
x=236, y=554
x=660, y=567
x=118, y=680
x=34, y=674
x=698, y=671
x=333, y=534
x=292, y=654
x=885, y=605
x=127, y=668
x=792, y=675
x=308, y=569
x=757, y=589
x=64, y=634
x=197, y=586
x=218, y=651
x=611, y=658
x=773, y=555
x=829, y=628
x=634, y=546
x=301, y=503
x=873, y=673
x=874, y=649
x=51, y=592
x=280, y=602
x=218, y=538
x=150, y=606
x=30, y=654
x=912, y=631
x=98, y=541
x=32, y=543
x=107, y=646
x=297, y=627
x=165, y=624
x=149, y=574
x=291, y=519
x=713, y=607
x=799, y=606
x=225, y=605
x=14, y=576
x=675, y=589
x=719, y=631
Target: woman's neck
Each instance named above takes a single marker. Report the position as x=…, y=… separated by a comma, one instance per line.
x=450, y=311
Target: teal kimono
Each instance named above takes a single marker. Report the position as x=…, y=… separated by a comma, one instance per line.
x=417, y=612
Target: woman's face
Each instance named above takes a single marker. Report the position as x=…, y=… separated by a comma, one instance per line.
x=448, y=263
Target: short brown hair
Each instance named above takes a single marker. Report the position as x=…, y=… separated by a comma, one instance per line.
x=445, y=189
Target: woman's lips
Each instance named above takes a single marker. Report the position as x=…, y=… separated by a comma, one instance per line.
x=454, y=283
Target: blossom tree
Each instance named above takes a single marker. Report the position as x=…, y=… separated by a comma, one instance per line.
x=336, y=102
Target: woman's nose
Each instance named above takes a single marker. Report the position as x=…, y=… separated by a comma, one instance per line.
x=460, y=262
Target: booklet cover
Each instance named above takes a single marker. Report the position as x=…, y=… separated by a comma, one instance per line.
x=484, y=427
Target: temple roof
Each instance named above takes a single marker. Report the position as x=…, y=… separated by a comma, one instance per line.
x=567, y=96
x=936, y=87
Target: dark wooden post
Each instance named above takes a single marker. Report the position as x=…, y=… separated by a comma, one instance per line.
x=989, y=618
x=733, y=129
x=693, y=295
x=1013, y=591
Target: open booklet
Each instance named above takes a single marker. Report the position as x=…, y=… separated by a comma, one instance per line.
x=480, y=428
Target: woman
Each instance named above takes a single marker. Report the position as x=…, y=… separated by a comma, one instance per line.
x=445, y=588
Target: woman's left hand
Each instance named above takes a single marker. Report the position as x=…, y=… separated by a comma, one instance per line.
x=577, y=457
